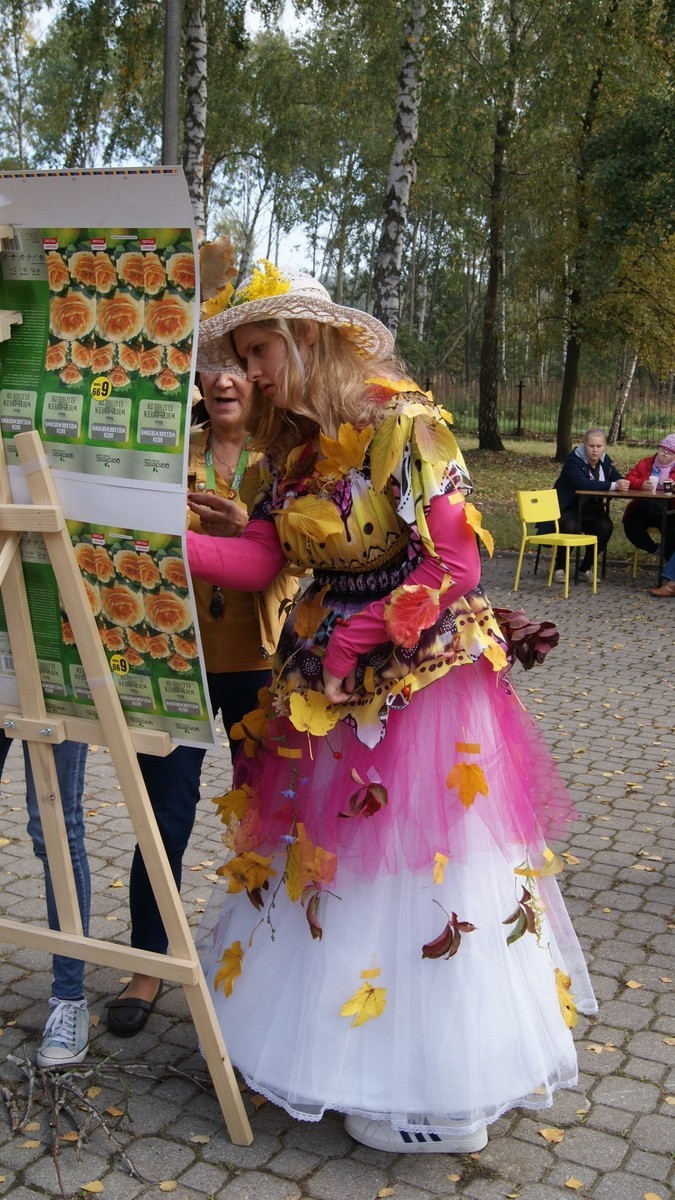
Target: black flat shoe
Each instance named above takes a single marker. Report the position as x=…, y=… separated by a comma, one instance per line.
x=127, y=1015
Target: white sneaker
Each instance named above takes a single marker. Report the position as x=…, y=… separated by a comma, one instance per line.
x=66, y=1037
x=586, y=576
x=559, y=575
x=379, y=1135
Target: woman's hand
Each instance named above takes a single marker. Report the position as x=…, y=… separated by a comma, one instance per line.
x=219, y=516
x=338, y=690
x=622, y=485
x=649, y=485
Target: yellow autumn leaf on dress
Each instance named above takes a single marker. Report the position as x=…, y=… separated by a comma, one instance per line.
x=234, y=803
x=567, y=1006
x=251, y=728
x=395, y=385
x=247, y=871
x=310, y=613
x=230, y=968
x=311, y=517
x=475, y=520
x=496, y=655
x=365, y=1005
x=552, y=865
x=344, y=453
x=434, y=441
x=468, y=779
x=386, y=449
x=440, y=863
x=312, y=713
x=306, y=864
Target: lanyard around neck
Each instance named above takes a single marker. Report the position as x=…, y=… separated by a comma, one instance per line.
x=242, y=462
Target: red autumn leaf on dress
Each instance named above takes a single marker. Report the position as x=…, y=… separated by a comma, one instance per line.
x=411, y=609
x=367, y=801
x=448, y=942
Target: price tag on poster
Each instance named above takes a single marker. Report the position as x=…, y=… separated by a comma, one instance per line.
x=103, y=269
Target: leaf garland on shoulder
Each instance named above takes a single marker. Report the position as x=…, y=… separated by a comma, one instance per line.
x=421, y=426
x=344, y=453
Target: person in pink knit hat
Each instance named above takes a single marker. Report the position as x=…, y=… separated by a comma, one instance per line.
x=649, y=475
x=391, y=943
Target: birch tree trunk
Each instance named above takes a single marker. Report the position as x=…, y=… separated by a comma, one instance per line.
x=387, y=282
x=194, y=136
x=171, y=94
x=622, y=399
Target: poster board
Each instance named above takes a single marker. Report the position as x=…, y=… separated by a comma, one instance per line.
x=102, y=266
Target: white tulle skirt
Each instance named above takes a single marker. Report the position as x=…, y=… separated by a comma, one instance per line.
x=460, y=1039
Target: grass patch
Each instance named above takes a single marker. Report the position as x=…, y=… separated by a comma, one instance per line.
x=525, y=466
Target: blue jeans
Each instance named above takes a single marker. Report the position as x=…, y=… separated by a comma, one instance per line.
x=70, y=759
x=173, y=789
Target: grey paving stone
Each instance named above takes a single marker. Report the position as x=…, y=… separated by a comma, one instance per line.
x=205, y=1178
x=516, y=1161
x=257, y=1186
x=628, y=1094
x=157, y=1158
x=293, y=1164
x=654, y=1133
x=344, y=1177
x=623, y=1187
x=221, y=1149
x=656, y=1166
x=611, y=1120
x=592, y=1148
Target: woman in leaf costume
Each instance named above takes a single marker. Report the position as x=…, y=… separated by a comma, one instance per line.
x=391, y=942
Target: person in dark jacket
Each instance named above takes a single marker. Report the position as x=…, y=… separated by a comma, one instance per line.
x=587, y=468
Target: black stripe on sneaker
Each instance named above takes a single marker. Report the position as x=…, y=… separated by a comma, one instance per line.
x=421, y=1137
x=405, y=1135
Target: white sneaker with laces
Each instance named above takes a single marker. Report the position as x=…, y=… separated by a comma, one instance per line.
x=66, y=1037
x=586, y=576
x=559, y=575
x=379, y=1135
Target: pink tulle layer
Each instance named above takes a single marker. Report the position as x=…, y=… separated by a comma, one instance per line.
x=527, y=803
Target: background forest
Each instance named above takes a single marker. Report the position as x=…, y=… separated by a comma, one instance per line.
x=494, y=178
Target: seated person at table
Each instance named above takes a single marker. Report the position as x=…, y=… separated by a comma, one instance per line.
x=649, y=475
x=668, y=586
x=587, y=468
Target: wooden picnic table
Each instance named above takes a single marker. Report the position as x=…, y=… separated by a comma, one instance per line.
x=662, y=498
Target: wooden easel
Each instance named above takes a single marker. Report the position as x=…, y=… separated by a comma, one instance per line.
x=42, y=731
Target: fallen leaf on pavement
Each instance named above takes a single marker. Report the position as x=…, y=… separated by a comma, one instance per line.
x=573, y=1183
x=552, y=1135
x=633, y=983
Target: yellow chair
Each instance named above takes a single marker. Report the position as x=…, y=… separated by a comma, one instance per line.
x=653, y=533
x=535, y=507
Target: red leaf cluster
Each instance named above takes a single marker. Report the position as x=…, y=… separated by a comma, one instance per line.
x=527, y=641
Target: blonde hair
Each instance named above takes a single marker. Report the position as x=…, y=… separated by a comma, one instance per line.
x=326, y=390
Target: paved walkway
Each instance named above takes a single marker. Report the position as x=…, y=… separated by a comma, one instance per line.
x=605, y=700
